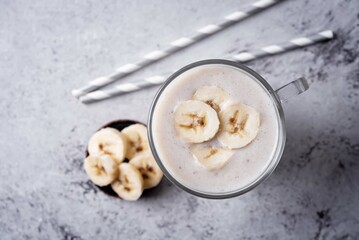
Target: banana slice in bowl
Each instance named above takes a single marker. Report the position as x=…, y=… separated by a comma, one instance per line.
x=108, y=141
x=211, y=158
x=136, y=135
x=195, y=121
x=214, y=96
x=129, y=184
x=150, y=171
x=102, y=169
x=239, y=125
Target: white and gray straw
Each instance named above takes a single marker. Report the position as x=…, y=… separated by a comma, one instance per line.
x=284, y=47
x=176, y=45
x=241, y=57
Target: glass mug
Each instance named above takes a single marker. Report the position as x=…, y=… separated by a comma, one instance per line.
x=277, y=96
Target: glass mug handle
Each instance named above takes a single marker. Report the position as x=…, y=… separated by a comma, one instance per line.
x=292, y=89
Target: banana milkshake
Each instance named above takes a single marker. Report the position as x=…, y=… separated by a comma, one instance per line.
x=215, y=128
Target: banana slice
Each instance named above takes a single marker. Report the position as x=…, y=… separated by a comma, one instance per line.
x=102, y=169
x=129, y=184
x=214, y=96
x=137, y=139
x=151, y=172
x=239, y=125
x=108, y=141
x=195, y=121
x=211, y=158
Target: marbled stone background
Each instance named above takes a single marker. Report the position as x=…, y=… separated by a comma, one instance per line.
x=48, y=48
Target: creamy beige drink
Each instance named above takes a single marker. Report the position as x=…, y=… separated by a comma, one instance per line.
x=239, y=161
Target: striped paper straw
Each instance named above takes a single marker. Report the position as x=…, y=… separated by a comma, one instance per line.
x=123, y=89
x=284, y=47
x=176, y=45
x=241, y=57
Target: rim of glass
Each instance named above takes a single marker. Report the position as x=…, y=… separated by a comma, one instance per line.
x=280, y=142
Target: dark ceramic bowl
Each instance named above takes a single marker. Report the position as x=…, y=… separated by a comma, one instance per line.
x=119, y=125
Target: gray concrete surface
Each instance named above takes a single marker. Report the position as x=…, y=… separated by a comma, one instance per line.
x=48, y=48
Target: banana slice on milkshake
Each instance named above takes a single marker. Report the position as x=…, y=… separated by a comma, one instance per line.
x=102, y=169
x=195, y=121
x=211, y=158
x=129, y=184
x=150, y=171
x=214, y=96
x=137, y=140
x=108, y=141
x=239, y=125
